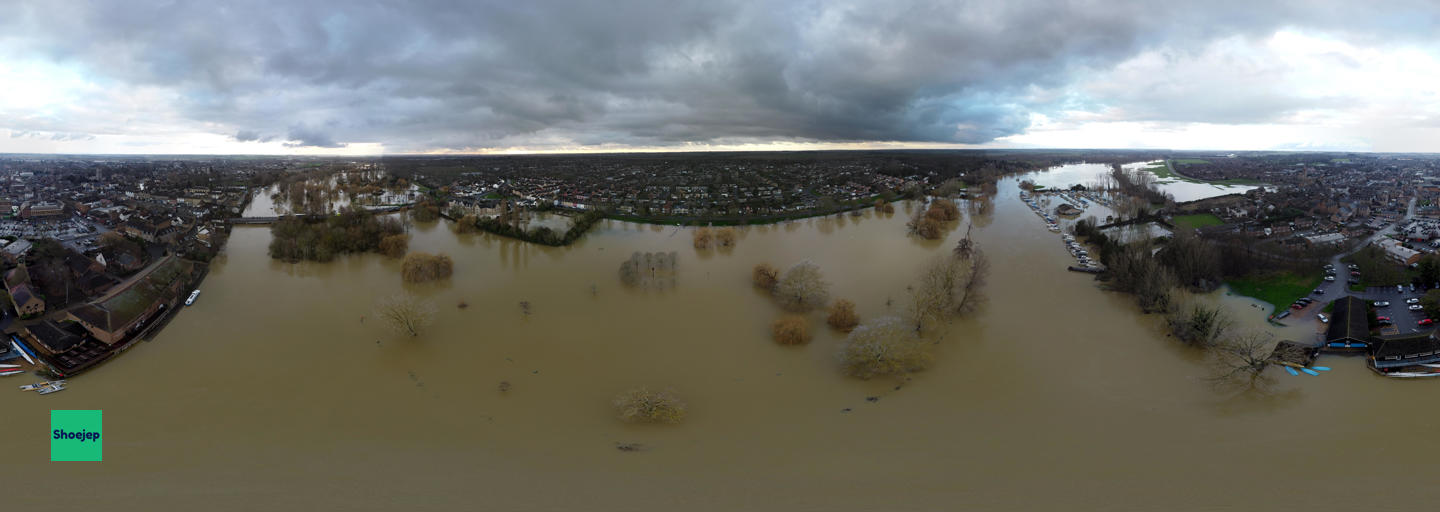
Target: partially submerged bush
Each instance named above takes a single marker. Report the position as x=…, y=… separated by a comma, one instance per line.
x=703, y=238
x=641, y=405
x=420, y=267
x=725, y=237
x=765, y=277
x=791, y=330
x=842, y=316
x=394, y=246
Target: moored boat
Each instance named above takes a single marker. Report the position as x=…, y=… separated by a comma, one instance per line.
x=193, y=295
x=40, y=385
x=7, y=373
x=52, y=388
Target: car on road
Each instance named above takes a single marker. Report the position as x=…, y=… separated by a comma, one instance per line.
x=1381, y=304
x=1425, y=321
x=1416, y=307
x=1329, y=278
x=1323, y=319
x=1319, y=291
x=1412, y=301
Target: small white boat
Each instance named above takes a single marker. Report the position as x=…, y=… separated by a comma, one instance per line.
x=1412, y=375
x=9, y=366
x=52, y=388
x=193, y=295
x=7, y=373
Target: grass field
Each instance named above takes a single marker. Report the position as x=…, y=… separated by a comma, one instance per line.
x=1198, y=220
x=1189, y=161
x=1280, y=290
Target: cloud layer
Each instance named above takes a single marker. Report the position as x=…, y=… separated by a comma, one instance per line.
x=468, y=75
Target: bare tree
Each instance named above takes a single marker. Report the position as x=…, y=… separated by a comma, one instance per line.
x=1200, y=324
x=802, y=288
x=405, y=314
x=884, y=346
x=1240, y=361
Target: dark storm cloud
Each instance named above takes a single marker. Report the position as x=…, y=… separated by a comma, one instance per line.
x=304, y=136
x=465, y=74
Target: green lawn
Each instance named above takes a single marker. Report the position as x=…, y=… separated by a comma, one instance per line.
x=1198, y=220
x=1162, y=173
x=1280, y=290
x=1190, y=161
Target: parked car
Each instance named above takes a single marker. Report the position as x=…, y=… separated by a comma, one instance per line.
x=1412, y=287
x=1416, y=307
x=1382, y=318
x=1381, y=304
x=1319, y=291
x=1412, y=301
x=1399, y=289
x=1356, y=274
x=1353, y=266
x=1297, y=305
x=1323, y=319
x=1386, y=322
x=1329, y=278
x=1425, y=321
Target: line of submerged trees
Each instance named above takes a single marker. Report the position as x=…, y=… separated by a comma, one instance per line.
x=1164, y=274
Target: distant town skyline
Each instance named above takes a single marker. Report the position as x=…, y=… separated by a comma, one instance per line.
x=333, y=78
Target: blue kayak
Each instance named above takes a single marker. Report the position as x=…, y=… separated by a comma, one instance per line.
x=1321, y=368
x=1292, y=371
x=1309, y=371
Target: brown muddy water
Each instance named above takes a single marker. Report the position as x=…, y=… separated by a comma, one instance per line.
x=270, y=393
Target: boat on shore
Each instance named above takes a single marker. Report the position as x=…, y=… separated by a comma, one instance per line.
x=41, y=385
x=22, y=351
x=9, y=366
x=193, y=295
x=7, y=373
x=51, y=389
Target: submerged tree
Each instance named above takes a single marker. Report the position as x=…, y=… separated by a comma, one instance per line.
x=842, y=315
x=405, y=314
x=1240, y=361
x=765, y=277
x=791, y=330
x=802, y=288
x=725, y=237
x=420, y=267
x=1200, y=324
x=702, y=238
x=641, y=405
x=394, y=246
x=884, y=346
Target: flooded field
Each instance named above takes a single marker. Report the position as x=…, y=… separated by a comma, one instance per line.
x=1093, y=174
x=277, y=391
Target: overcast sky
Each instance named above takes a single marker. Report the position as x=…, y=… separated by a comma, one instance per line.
x=366, y=77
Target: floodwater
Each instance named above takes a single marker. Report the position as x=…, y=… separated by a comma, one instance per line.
x=1065, y=176
x=277, y=391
